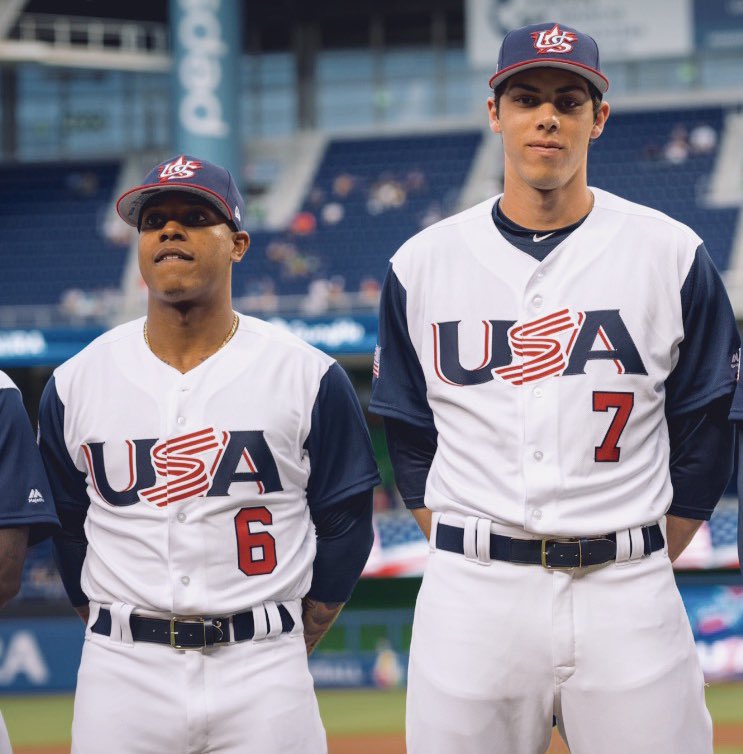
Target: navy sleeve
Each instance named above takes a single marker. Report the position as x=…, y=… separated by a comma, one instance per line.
x=411, y=451
x=707, y=367
x=341, y=458
x=736, y=410
x=399, y=385
x=344, y=541
x=70, y=493
x=25, y=495
x=702, y=456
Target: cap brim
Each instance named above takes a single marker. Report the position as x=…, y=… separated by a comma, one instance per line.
x=591, y=74
x=129, y=206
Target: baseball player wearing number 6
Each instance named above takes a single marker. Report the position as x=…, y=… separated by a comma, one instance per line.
x=555, y=368
x=213, y=478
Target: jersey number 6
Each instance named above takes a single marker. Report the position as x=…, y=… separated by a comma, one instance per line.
x=608, y=451
x=256, y=550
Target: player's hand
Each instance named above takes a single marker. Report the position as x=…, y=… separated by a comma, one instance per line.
x=679, y=532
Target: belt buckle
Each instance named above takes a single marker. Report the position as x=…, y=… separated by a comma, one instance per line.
x=174, y=634
x=567, y=540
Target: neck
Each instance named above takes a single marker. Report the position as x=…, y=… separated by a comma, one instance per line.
x=183, y=337
x=545, y=209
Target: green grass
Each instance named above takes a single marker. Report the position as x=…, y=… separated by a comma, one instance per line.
x=45, y=720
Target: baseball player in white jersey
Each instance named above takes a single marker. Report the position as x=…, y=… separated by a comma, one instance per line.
x=554, y=369
x=26, y=507
x=213, y=477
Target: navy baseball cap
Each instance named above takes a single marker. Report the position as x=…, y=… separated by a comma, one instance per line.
x=212, y=183
x=549, y=45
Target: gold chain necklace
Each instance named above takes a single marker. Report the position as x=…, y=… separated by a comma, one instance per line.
x=233, y=330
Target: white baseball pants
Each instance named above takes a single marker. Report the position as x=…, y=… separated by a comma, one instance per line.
x=498, y=648
x=251, y=697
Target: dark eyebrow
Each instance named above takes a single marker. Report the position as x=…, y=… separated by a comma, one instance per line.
x=560, y=90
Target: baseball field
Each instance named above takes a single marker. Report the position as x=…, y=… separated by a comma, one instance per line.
x=358, y=722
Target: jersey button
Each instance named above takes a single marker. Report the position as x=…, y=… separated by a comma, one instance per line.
x=537, y=514
x=538, y=392
x=538, y=455
x=181, y=420
x=537, y=302
x=181, y=517
x=185, y=580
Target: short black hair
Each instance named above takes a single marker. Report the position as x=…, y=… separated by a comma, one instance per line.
x=596, y=97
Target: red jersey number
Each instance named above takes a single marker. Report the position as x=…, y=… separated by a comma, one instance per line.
x=609, y=450
x=256, y=549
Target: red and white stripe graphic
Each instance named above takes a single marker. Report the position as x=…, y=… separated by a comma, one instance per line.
x=538, y=354
x=186, y=475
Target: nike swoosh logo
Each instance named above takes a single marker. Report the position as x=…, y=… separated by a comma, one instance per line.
x=537, y=238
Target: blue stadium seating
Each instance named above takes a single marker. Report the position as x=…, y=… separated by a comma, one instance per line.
x=427, y=171
x=50, y=231
x=628, y=160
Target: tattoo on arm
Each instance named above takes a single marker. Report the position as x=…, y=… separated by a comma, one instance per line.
x=318, y=617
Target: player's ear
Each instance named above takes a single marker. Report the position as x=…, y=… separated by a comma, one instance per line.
x=240, y=244
x=600, y=122
x=493, y=116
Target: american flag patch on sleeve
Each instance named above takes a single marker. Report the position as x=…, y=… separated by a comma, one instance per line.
x=375, y=366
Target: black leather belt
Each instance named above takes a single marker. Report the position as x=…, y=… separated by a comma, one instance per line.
x=557, y=552
x=190, y=633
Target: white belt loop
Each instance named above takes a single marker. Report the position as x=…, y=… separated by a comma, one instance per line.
x=470, y=538
x=125, y=625
x=638, y=543
x=295, y=610
x=435, y=518
x=624, y=546
x=274, y=620
x=95, y=609
x=483, y=542
x=260, y=623
x=115, y=610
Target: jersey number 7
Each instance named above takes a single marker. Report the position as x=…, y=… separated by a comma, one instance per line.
x=609, y=450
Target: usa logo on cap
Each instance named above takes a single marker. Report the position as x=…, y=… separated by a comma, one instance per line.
x=554, y=40
x=180, y=168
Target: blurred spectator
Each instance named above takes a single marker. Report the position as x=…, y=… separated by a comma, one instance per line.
x=332, y=213
x=703, y=139
x=432, y=215
x=369, y=291
x=303, y=224
x=294, y=264
x=386, y=193
x=676, y=150
x=260, y=296
x=343, y=185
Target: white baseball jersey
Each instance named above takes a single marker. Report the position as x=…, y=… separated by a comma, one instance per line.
x=197, y=489
x=549, y=382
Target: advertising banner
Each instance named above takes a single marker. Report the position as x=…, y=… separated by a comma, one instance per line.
x=624, y=29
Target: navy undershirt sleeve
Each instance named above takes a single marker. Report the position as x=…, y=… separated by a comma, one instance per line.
x=707, y=366
x=25, y=496
x=343, y=473
x=70, y=493
x=399, y=389
x=411, y=449
x=740, y=496
x=344, y=541
x=702, y=455
x=341, y=457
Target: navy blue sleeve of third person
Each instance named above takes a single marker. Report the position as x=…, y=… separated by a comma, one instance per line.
x=707, y=367
x=70, y=493
x=399, y=385
x=25, y=496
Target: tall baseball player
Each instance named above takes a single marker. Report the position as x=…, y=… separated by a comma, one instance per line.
x=213, y=476
x=26, y=507
x=555, y=373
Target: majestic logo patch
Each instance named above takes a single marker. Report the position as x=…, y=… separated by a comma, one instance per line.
x=553, y=41
x=35, y=497
x=181, y=168
x=558, y=344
